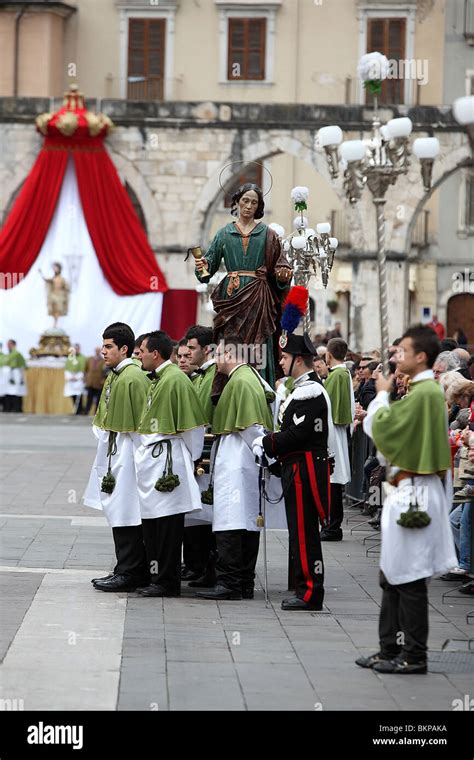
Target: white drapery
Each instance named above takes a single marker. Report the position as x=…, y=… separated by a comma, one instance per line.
x=92, y=303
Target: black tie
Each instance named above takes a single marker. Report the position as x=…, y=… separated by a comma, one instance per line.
x=152, y=375
x=199, y=371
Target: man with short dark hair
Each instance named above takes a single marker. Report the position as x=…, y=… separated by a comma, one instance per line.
x=112, y=484
x=199, y=546
x=411, y=435
x=339, y=389
x=170, y=438
x=241, y=415
x=184, y=357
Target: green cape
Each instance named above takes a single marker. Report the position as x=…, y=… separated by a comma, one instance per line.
x=172, y=404
x=337, y=385
x=203, y=385
x=14, y=360
x=76, y=363
x=413, y=433
x=241, y=404
x=127, y=398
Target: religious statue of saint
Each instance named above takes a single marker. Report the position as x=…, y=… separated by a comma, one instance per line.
x=57, y=293
x=248, y=300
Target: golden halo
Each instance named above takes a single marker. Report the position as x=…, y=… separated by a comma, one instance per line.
x=247, y=163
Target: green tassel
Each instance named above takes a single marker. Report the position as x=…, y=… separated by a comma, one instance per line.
x=167, y=482
x=301, y=206
x=108, y=483
x=207, y=496
x=414, y=518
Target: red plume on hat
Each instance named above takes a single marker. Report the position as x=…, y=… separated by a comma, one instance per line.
x=295, y=307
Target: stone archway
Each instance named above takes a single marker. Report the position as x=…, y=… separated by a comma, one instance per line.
x=251, y=147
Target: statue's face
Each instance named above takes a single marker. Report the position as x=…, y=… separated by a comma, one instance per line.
x=248, y=205
x=57, y=269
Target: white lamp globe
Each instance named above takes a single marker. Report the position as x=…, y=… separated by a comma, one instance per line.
x=298, y=242
x=352, y=150
x=333, y=243
x=426, y=147
x=399, y=127
x=329, y=136
x=280, y=231
x=309, y=232
x=299, y=222
x=323, y=228
x=463, y=110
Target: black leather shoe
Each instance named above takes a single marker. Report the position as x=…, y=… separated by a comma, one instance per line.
x=154, y=590
x=105, y=578
x=295, y=603
x=468, y=589
x=190, y=575
x=400, y=667
x=117, y=583
x=205, y=581
x=248, y=593
x=218, y=593
x=332, y=536
x=371, y=660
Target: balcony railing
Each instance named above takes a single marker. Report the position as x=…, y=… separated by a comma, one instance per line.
x=145, y=88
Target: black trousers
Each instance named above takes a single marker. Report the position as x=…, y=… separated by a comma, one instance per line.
x=303, y=526
x=237, y=552
x=403, y=623
x=337, y=511
x=77, y=400
x=93, y=396
x=163, y=538
x=199, y=548
x=12, y=403
x=130, y=552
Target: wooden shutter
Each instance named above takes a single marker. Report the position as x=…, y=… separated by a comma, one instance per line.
x=251, y=173
x=246, y=48
x=146, y=58
x=387, y=36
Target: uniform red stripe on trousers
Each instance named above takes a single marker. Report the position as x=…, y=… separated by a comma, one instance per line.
x=301, y=535
x=314, y=487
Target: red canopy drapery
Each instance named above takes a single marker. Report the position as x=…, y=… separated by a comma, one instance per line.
x=126, y=259
x=27, y=224
x=179, y=312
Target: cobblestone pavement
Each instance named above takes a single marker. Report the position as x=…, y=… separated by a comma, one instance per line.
x=65, y=646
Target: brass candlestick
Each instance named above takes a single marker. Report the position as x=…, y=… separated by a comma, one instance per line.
x=198, y=254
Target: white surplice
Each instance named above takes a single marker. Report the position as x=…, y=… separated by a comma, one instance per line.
x=408, y=554
x=186, y=497
x=121, y=507
x=236, y=492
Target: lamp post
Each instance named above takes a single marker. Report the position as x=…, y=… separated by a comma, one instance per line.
x=377, y=162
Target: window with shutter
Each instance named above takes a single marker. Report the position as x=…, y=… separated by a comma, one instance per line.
x=146, y=58
x=246, y=49
x=388, y=36
x=251, y=173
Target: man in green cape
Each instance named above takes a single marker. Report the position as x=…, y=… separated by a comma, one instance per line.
x=412, y=436
x=74, y=370
x=241, y=415
x=16, y=387
x=338, y=386
x=170, y=437
x=199, y=545
x=112, y=484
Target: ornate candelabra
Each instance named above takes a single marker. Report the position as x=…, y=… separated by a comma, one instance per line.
x=310, y=252
x=377, y=162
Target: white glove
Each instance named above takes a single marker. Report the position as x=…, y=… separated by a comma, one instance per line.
x=257, y=447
